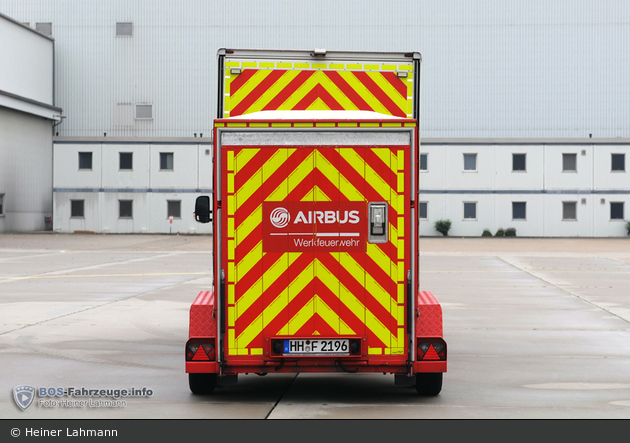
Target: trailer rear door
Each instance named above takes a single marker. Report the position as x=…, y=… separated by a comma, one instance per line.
x=304, y=253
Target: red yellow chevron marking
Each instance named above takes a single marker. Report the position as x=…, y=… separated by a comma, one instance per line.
x=263, y=89
x=314, y=293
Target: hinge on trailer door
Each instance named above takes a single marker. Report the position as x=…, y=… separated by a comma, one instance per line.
x=222, y=321
x=214, y=310
x=409, y=302
x=222, y=295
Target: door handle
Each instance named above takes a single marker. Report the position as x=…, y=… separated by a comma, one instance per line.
x=378, y=224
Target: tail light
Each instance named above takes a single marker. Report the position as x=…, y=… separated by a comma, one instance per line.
x=355, y=347
x=204, y=351
x=277, y=347
x=431, y=350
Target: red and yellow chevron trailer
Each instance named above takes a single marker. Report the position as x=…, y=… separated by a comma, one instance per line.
x=315, y=223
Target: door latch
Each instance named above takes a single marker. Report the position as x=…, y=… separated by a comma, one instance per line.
x=378, y=223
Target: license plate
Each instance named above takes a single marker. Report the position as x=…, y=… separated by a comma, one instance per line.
x=316, y=347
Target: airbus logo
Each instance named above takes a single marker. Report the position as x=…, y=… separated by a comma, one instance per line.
x=280, y=217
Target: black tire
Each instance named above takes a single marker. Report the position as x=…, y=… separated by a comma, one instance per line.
x=429, y=383
x=201, y=384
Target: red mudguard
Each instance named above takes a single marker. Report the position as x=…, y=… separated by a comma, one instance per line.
x=429, y=328
x=203, y=325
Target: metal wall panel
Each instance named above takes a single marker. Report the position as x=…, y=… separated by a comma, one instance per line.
x=30, y=58
x=490, y=69
x=26, y=164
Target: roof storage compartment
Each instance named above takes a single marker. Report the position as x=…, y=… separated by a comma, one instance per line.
x=252, y=81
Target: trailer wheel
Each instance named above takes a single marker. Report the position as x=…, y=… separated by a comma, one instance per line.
x=201, y=384
x=429, y=383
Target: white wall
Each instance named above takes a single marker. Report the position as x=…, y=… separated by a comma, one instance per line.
x=556, y=179
x=66, y=167
x=25, y=171
x=445, y=186
x=26, y=94
x=91, y=221
x=146, y=185
x=532, y=226
x=533, y=176
x=604, y=178
x=27, y=62
x=138, y=177
x=601, y=219
x=184, y=173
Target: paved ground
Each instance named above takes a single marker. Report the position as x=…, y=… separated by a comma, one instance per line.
x=537, y=328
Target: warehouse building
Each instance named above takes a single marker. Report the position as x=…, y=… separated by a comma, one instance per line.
x=524, y=118
x=27, y=118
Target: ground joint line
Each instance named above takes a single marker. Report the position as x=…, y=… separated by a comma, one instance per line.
x=585, y=300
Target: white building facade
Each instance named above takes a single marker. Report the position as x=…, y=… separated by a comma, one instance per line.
x=27, y=117
x=540, y=188
x=532, y=76
x=132, y=188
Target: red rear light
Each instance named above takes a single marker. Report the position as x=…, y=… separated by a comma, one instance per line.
x=432, y=350
x=201, y=352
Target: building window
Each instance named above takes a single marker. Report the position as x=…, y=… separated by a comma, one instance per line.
x=144, y=112
x=616, y=211
x=125, y=160
x=44, y=28
x=125, y=208
x=166, y=161
x=85, y=160
x=470, y=162
x=618, y=162
x=569, y=210
x=569, y=162
x=124, y=29
x=423, y=162
x=77, y=208
x=470, y=210
x=174, y=208
x=518, y=162
x=519, y=210
x=422, y=210
x=1, y=205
